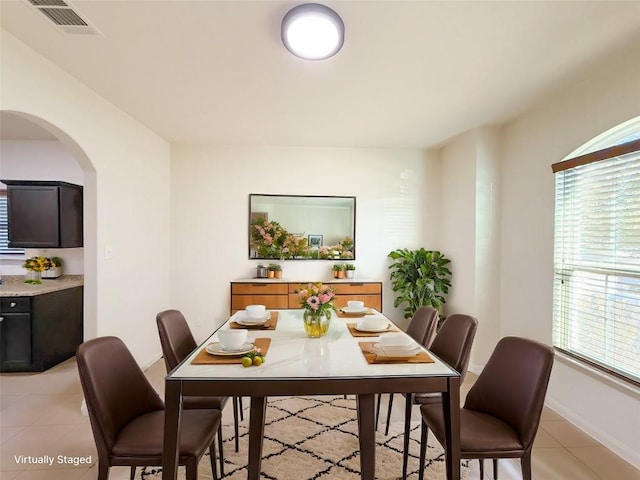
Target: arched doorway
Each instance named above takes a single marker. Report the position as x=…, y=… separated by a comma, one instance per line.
x=18, y=128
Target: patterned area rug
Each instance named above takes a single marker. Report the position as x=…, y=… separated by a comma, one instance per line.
x=317, y=438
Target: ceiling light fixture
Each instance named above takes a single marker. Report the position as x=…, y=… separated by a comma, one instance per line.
x=312, y=31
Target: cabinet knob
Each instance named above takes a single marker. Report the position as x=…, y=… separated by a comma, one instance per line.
x=12, y=304
x=1, y=319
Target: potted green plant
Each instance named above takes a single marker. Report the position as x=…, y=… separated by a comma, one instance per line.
x=420, y=277
x=275, y=270
x=349, y=270
x=338, y=270
x=55, y=268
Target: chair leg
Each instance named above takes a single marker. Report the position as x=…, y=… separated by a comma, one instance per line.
x=191, y=467
x=525, y=463
x=235, y=423
x=133, y=473
x=495, y=469
x=407, y=432
x=378, y=409
x=481, y=460
x=212, y=458
x=103, y=470
x=386, y=430
x=241, y=409
x=424, y=434
x=221, y=450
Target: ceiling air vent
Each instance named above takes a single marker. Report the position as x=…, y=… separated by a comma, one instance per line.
x=64, y=16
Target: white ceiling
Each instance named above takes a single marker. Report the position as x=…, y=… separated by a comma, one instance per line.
x=411, y=73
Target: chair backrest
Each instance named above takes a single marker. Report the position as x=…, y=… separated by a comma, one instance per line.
x=423, y=325
x=513, y=385
x=453, y=341
x=175, y=337
x=115, y=389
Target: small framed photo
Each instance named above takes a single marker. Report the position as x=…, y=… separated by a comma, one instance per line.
x=315, y=241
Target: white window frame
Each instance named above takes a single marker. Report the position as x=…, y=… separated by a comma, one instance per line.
x=588, y=290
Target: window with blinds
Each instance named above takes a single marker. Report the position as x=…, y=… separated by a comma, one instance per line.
x=4, y=231
x=596, y=309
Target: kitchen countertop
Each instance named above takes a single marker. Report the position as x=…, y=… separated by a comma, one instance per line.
x=14, y=286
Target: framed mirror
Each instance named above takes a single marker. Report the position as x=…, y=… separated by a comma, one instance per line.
x=302, y=227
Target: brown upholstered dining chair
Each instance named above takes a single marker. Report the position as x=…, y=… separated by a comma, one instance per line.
x=421, y=328
x=177, y=343
x=501, y=413
x=452, y=344
x=127, y=415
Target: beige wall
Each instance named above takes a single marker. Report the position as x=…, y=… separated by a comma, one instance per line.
x=607, y=96
x=126, y=195
x=177, y=221
x=210, y=193
x=40, y=160
x=497, y=210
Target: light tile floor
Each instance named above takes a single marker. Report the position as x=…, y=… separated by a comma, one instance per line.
x=40, y=415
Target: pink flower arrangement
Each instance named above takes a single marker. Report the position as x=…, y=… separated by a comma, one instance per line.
x=317, y=298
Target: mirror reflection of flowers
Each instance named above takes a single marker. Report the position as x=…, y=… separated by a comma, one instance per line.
x=339, y=250
x=347, y=243
x=268, y=238
x=297, y=246
x=317, y=298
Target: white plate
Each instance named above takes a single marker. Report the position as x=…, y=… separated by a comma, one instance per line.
x=355, y=310
x=217, y=349
x=251, y=323
x=362, y=328
x=244, y=318
x=395, y=352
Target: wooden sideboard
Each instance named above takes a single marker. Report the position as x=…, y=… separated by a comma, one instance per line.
x=279, y=294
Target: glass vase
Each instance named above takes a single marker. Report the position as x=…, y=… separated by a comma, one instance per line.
x=33, y=277
x=316, y=324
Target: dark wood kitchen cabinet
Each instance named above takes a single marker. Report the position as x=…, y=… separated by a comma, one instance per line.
x=40, y=331
x=44, y=214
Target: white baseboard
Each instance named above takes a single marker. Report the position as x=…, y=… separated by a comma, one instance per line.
x=475, y=368
x=626, y=452
x=145, y=366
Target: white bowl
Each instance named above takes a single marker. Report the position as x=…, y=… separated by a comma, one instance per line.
x=232, y=338
x=355, y=305
x=256, y=311
x=374, y=323
x=396, y=340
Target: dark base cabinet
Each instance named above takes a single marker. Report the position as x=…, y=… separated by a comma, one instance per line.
x=41, y=331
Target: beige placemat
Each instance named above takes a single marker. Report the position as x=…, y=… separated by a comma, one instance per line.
x=357, y=333
x=268, y=325
x=343, y=314
x=204, y=358
x=422, y=357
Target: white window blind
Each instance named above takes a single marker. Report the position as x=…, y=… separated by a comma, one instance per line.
x=4, y=223
x=596, y=311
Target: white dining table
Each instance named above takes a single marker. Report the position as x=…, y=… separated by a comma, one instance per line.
x=298, y=365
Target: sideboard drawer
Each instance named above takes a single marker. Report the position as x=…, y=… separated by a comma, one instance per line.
x=357, y=288
x=259, y=289
x=239, y=302
x=278, y=295
x=370, y=301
